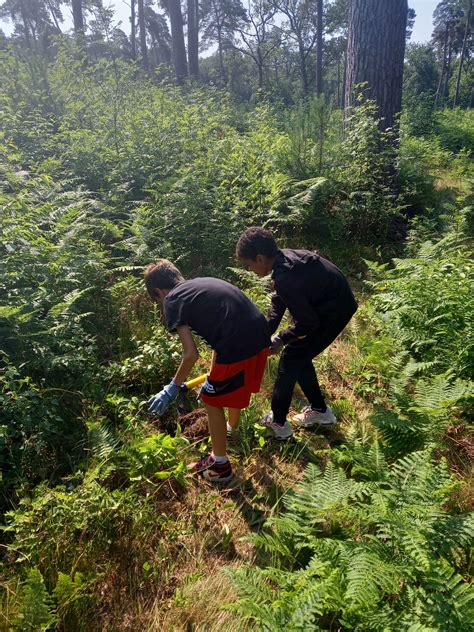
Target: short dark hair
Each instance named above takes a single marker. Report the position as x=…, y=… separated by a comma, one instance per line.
x=256, y=241
x=162, y=275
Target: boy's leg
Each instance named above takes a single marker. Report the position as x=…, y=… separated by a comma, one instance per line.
x=296, y=366
x=234, y=417
x=307, y=378
x=217, y=430
x=308, y=381
x=215, y=467
x=287, y=376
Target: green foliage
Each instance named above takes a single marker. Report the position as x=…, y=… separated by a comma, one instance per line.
x=157, y=456
x=78, y=528
x=105, y=169
x=357, y=198
x=420, y=419
x=36, y=603
x=427, y=306
x=73, y=600
x=455, y=129
x=420, y=82
x=33, y=444
x=308, y=128
x=366, y=556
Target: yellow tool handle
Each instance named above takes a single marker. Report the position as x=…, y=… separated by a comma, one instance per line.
x=197, y=381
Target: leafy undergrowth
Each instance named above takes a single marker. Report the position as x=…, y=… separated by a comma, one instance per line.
x=143, y=551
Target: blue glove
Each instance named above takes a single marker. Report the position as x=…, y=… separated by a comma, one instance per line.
x=160, y=402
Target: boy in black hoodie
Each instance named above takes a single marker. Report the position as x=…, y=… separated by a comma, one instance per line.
x=320, y=300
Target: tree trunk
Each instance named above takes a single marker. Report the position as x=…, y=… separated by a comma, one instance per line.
x=221, y=57
x=448, y=70
x=338, y=93
x=193, y=38
x=375, y=54
x=133, y=31
x=177, y=40
x=319, y=49
x=304, y=73
x=259, y=61
x=344, y=80
x=78, y=17
x=141, y=24
x=443, y=67
x=25, y=25
x=463, y=53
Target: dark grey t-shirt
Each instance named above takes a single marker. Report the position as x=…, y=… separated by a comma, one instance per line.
x=221, y=314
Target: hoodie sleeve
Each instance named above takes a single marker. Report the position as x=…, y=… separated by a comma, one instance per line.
x=275, y=314
x=306, y=319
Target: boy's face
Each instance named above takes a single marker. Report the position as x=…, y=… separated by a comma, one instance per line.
x=261, y=265
x=160, y=296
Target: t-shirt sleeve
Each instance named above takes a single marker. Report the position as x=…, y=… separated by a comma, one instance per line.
x=174, y=313
x=275, y=314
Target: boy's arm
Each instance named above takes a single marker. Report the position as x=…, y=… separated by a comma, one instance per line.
x=275, y=313
x=190, y=354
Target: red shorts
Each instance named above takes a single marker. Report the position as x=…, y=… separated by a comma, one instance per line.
x=231, y=385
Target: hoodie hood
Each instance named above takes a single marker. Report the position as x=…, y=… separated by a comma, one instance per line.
x=288, y=259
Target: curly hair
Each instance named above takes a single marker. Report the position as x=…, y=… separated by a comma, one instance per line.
x=162, y=275
x=256, y=241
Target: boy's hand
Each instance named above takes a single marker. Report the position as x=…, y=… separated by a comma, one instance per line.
x=160, y=402
x=277, y=344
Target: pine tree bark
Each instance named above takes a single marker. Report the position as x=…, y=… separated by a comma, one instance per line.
x=26, y=27
x=375, y=53
x=448, y=70
x=303, y=70
x=177, y=40
x=141, y=24
x=319, y=49
x=193, y=38
x=220, y=50
x=133, y=31
x=443, y=67
x=463, y=53
x=78, y=17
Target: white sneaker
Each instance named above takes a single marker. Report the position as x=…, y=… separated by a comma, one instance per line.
x=281, y=432
x=230, y=430
x=309, y=417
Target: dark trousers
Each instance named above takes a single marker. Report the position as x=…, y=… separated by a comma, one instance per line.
x=296, y=366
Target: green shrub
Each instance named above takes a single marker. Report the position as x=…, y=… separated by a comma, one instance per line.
x=455, y=129
x=426, y=304
x=36, y=604
x=33, y=442
x=79, y=528
x=158, y=456
x=363, y=555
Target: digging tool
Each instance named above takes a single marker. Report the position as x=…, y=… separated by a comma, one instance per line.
x=187, y=386
x=197, y=381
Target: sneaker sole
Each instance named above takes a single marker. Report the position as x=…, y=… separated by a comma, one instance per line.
x=283, y=438
x=275, y=435
x=317, y=423
x=214, y=479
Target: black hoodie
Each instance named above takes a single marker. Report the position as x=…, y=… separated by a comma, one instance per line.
x=314, y=291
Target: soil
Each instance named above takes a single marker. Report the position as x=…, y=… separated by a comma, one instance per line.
x=193, y=424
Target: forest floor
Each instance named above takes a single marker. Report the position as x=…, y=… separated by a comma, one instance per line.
x=202, y=528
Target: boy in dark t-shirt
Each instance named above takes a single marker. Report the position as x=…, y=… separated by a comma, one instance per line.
x=320, y=300
x=239, y=336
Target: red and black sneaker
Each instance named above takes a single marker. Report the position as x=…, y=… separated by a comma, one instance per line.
x=212, y=471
